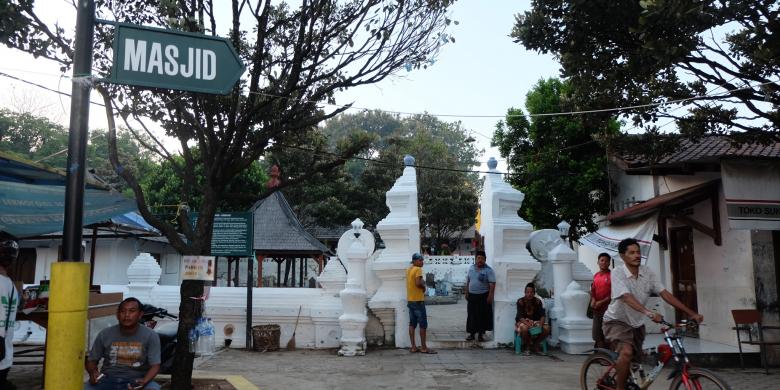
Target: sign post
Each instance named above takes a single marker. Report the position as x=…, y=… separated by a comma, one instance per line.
x=69, y=296
x=159, y=58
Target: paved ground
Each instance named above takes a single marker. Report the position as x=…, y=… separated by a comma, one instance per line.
x=450, y=369
x=465, y=369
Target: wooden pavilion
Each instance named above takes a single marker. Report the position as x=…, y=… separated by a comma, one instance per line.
x=279, y=235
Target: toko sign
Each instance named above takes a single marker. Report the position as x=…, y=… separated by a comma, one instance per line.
x=157, y=58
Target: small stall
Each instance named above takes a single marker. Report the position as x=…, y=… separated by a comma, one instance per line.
x=101, y=313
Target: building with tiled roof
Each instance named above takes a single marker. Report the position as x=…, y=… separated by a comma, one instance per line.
x=707, y=217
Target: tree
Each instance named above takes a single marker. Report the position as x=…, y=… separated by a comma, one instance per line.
x=555, y=160
x=447, y=190
x=721, y=56
x=37, y=138
x=297, y=59
x=448, y=198
x=33, y=137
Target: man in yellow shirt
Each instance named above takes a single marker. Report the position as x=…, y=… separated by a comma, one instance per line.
x=415, y=301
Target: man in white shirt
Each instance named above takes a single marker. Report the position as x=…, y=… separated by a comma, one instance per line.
x=632, y=285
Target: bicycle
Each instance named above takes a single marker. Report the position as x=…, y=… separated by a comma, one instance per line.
x=598, y=370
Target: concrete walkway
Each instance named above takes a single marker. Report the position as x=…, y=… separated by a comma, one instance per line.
x=449, y=369
x=466, y=369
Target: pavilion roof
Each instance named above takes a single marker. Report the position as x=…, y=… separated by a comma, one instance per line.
x=277, y=231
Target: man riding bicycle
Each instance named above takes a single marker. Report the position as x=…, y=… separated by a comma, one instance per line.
x=632, y=285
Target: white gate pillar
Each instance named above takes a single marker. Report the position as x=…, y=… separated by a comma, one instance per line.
x=506, y=235
x=400, y=231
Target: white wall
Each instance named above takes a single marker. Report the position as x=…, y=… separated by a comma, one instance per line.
x=318, y=328
x=724, y=274
x=112, y=257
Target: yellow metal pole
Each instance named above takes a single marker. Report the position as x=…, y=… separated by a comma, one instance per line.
x=66, y=334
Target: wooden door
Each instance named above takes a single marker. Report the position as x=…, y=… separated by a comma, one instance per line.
x=683, y=267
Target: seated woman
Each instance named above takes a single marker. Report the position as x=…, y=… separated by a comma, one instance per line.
x=530, y=319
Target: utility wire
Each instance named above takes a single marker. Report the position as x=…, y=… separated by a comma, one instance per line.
x=566, y=113
x=428, y=167
x=335, y=154
x=43, y=87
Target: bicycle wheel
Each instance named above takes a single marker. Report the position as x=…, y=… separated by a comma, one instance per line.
x=699, y=378
x=597, y=373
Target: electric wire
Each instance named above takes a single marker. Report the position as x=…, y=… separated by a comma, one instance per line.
x=527, y=115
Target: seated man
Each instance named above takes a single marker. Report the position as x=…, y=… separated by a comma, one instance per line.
x=530, y=319
x=130, y=353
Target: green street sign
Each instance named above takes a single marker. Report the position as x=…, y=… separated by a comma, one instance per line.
x=158, y=58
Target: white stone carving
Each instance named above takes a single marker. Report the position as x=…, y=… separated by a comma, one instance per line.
x=353, y=298
x=575, y=327
x=506, y=235
x=333, y=277
x=143, y=275
x=561, y=257
x=400, y=231
x=541, y=242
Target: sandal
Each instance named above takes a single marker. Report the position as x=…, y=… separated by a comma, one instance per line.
x=428, y=351
x=414, y=350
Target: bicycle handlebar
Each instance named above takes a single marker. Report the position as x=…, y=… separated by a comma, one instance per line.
x=682, y=324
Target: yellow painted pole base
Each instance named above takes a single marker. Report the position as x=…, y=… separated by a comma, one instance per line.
x=66, y=335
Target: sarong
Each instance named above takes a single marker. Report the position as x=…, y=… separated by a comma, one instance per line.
x=480, y=314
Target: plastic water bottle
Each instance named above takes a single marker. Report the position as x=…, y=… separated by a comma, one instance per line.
x=210, y=339
x=193, y=338
x=200, y=329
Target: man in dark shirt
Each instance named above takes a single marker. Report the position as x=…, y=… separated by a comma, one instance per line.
x=530, y=319
x=130, y=353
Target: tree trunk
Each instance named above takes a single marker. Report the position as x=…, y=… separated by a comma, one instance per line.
x=189, y=311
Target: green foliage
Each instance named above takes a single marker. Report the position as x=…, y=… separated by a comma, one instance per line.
x=37, y=138
x=555, y=160
x=618, y=53
x=297, y=57
x=447, y=199
x=166, y=195
x=33, y=137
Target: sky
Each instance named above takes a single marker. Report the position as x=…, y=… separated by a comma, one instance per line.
x=482, y=74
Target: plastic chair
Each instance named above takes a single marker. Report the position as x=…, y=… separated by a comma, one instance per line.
x=536, y=330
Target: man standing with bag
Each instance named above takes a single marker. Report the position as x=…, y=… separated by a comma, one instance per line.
x=9, y=251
